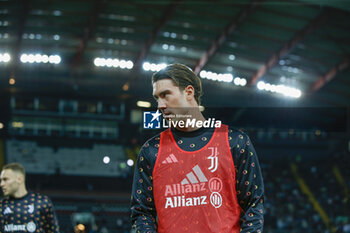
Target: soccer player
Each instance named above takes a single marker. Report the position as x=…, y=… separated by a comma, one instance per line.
x=192, y=178
x=23, y=211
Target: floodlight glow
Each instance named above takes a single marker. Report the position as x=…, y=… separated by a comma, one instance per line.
x=153, y=67
x=54, y=59
x=115, y=63
x=240, y=81
x=261, y=85
x=31, y=58
x=146, y=66
x=5, y=57
x=44, y=59
x=122, y=64
x=24, y=58
x=162, y=66
x=203, y=74
x=37, y=58
x=165, y=46
x=143, y=104
x=281, y=89
x=98, y=61
x=232, y=57
x=106, y=159
x=236, y=81
x=228, y=78
x=129, y=64
x=216, y=77
x=130, y=162
x=109, y=62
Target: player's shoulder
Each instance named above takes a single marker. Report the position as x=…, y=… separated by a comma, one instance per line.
x=151, y=144
x=236, y=132
x=39, y=197
x=237, y=135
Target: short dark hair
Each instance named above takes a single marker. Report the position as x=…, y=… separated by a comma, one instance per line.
x=17, y=167
x=182, y=76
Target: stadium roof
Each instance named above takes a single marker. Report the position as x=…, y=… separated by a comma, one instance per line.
x=303, y=44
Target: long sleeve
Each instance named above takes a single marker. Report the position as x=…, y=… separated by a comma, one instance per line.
x=2, y=221
x=249, y=186
x=49, y=217
x=143, y=211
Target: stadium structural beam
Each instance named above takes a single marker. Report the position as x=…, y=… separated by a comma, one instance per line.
x=151, y=39
x=323, y=79
x=300, y=35
x=23, y=18
x=88, y=33
x=243, y=14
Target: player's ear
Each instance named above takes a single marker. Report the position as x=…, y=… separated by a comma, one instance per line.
x=189, y=90
x=20, y=178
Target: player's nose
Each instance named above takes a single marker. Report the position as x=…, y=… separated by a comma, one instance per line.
x=161, y=105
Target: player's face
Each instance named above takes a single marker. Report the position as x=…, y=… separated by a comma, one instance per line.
x=9, y=182
x=171, y=100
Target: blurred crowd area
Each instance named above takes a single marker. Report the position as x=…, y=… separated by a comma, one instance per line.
x=90, y=203
x=290, y=210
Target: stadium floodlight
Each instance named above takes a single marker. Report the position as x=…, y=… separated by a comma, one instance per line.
x=228, y=78
x=147, y=66
x=113, y=62
x=153, y=67
x=54, y=59
x=5, y=57
x=232, y=57
x=203, y=74
x=37, y=58
x=280, y=89
x=161, y=66
x=240, y=81
x=130, y=162
x=129, y=64
x=122, y=64
x=236, y=81
x=109, y=62
x=31, y=58
x=24, y=58
x=99, y=61
x=106, y=159
x=44, y=58
x=215, y=76
x=243, y=82
x=143, y=104
x=261, y=85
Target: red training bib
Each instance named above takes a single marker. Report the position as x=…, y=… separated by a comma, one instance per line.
x=195, y=191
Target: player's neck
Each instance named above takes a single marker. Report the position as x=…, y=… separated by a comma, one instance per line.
x=21, y=192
